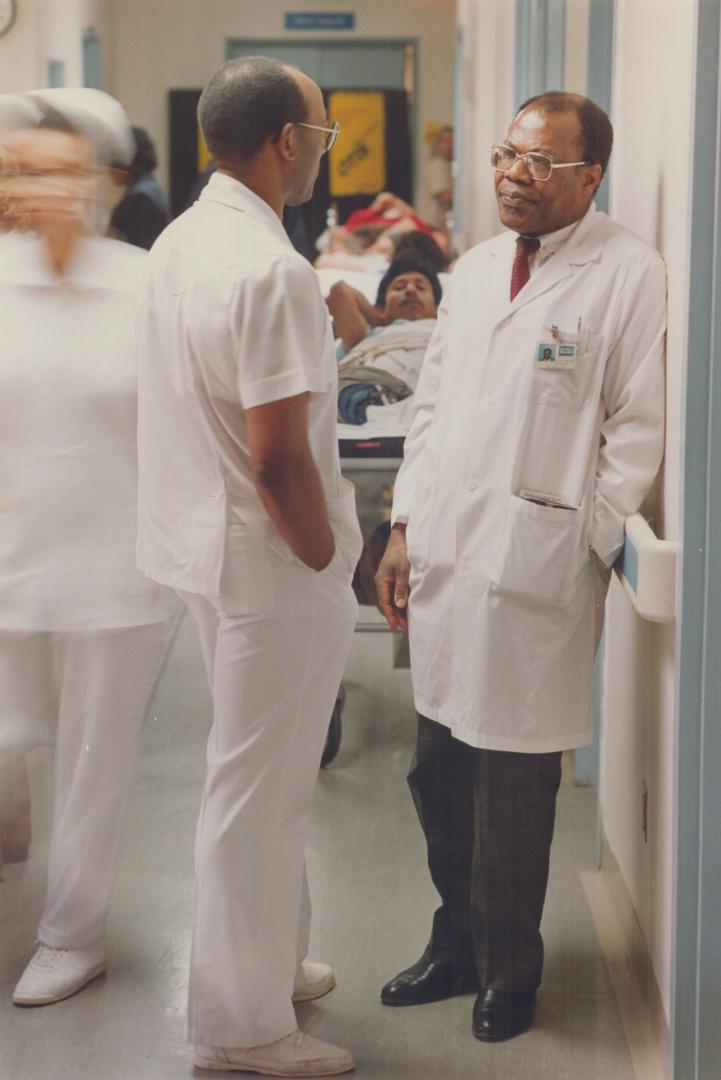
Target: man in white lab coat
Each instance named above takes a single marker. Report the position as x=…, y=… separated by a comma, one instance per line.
x=242, y=508
x=538, y=429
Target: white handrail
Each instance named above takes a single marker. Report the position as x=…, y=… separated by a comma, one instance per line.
x=647, y=569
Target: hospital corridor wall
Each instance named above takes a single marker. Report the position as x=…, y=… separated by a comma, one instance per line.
x=148, y=47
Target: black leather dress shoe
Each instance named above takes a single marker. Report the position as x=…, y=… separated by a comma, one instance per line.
x=428, y=980
x=499, y=1014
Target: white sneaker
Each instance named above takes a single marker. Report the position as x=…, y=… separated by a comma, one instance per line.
x=296, y=1054
x=54, y=974
x=312, y=981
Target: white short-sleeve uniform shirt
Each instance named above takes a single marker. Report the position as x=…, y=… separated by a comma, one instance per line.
x=230, y=317
x=68, y=374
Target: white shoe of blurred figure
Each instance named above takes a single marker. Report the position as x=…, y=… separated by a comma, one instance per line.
x=54, y=974
x=312, y=981
x=296, y=1054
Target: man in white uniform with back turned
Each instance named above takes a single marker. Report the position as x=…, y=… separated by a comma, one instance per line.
x=538, y=429
x=244, y=511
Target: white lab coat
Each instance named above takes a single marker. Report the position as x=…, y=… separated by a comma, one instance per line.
x=503, y=590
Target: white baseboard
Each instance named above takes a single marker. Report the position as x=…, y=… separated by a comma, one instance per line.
x=630, y=968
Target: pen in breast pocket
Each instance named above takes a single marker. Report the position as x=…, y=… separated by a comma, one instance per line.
x=579, y=326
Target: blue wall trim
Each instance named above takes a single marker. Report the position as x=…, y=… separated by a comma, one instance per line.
x=600, y=68
x=92, y=59
x=56, y=73
x=540, y=40
x=696, y=1047
x=628, y=561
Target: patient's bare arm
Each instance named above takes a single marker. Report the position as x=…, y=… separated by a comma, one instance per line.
x=352, y=314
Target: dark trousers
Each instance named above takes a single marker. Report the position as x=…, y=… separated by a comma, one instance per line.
x=488, y=819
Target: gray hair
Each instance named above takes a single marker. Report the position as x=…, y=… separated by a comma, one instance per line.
x=245, y=103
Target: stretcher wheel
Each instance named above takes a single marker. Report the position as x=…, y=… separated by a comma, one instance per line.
x=335, y=731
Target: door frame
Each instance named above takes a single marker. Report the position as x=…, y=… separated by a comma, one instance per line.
x=696, y=947
x=352, y=43
x=540, y=42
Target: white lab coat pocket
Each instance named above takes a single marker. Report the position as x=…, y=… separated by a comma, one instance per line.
x=542, y=552
x=566, y=387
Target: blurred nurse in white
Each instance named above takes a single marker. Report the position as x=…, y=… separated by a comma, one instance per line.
x=82, y=632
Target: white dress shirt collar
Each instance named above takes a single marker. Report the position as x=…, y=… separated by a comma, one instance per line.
x=551, y=242
x=223, y=188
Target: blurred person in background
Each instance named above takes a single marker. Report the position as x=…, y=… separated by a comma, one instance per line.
x=82, y=632
x=439, y=176
x=143, y=212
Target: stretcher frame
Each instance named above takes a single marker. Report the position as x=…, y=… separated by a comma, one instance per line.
x=367, y=459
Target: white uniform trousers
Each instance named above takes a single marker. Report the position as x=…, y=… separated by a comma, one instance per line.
x=275, y=646
x=90, y=692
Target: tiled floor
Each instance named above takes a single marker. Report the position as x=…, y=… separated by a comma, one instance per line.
x=372, y=906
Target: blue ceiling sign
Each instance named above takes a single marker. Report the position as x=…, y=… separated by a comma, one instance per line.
x=319, y=20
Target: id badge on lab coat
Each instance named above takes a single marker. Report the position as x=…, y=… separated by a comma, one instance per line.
x=558, y=349
x=556, y=356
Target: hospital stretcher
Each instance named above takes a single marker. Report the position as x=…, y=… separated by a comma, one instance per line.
x=371, y=464
x=371, y=461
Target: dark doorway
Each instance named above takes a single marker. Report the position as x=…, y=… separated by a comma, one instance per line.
x=309, y=221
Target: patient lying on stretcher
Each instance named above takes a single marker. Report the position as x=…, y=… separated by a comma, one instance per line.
x=381, y=346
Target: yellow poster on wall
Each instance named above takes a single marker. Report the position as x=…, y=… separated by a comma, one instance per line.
x=358, y=159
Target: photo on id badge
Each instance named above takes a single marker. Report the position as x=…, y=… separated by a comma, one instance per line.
x=552, y=355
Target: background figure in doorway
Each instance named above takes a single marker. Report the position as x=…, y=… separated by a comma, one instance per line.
x=439, y=176
x=143, y=212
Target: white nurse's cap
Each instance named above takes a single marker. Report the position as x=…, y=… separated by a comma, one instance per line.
x=92, y=113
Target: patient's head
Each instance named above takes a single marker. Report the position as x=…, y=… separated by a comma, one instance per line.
x=409, y=290
x=423, y=247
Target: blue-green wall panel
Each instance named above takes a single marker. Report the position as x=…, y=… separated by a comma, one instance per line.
x=56, y=73
x=376, y=65
x=600, y=68
x=696, y=1045
x=92, y=60
x=540, y=41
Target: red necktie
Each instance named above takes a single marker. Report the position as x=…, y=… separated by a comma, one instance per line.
x=525, y=246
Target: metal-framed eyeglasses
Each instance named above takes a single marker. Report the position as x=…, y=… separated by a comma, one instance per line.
x=331, y=134
x=538, y=166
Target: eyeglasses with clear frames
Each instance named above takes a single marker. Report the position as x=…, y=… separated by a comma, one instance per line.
x=538, y=166
x=331, y=134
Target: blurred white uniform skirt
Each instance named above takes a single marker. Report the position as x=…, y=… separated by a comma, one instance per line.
x=89, y=693
x=275, y=645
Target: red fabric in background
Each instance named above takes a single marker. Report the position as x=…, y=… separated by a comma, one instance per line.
x=369, y=216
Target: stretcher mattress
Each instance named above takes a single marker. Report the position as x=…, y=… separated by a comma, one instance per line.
x=381, y=437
